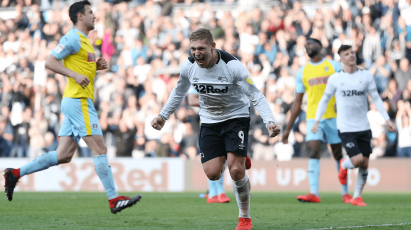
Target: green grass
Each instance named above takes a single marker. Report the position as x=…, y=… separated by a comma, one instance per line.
x=83, y=210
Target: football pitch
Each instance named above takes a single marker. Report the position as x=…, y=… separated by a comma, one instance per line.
x=90, y=210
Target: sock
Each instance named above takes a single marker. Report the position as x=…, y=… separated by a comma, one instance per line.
x=347, y=164
x=219, y=185
x=313, y=175
x=40, y=163
x=242, y=195
x=103, y=171
x=361, y=180
x=345, y=186
x=212, y=188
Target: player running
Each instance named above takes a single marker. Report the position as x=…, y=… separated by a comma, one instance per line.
x=350, y=88
x=224, y=88
x=80, y=116
x=312, y=78
x=216, y=193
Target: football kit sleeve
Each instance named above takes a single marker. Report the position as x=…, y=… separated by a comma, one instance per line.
x=372, y=91
x=328, y=94
x=179, y=92
x=68, y=44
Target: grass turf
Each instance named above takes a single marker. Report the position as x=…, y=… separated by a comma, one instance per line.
x=89, y=210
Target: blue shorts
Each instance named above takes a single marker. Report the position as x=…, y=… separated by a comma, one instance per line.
x=327, y=131
x=80, y=118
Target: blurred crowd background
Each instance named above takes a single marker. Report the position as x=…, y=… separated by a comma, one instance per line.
x=145, y=42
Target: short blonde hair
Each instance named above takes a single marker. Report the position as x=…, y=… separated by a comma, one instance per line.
x=202, y=33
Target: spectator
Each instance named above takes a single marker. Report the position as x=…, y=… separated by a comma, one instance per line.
x=403, y=74
x=403, y=121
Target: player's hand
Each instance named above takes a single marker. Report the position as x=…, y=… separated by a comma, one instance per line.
x=273, y=130
x=82, y=80
x=157, y=123
x=101, y=63
x=285, y=136
x=391, y=126
x=315, y=127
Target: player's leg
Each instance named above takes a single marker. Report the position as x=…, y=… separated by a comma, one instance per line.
x=92, y=135
x=313, y=148
x=222, y=197
x=331, y=132
x=364, y=140
x=63, y=154
x=242, y=188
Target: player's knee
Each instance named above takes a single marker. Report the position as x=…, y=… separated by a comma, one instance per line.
x=357, y=160
x=65, y=159
x=315, y=154
x=236, y=171
x=102, y=150
x=213, y=175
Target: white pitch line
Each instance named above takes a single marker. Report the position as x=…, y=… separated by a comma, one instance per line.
x=364, y=226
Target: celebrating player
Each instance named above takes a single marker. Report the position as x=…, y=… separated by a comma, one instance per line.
x=350, y=88
x=216, y=193
x=312, y=78
x=80, y=116
x=224, y=88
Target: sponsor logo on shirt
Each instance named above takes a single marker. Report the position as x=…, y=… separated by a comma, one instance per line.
x=196, y=79
x=95, y=126
x=223, y=79
x=318, y=81
x=326, y=69
x=209, y=89
x=351, y=93
x=91, y=57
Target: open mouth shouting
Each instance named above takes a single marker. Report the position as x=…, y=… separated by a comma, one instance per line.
x=200, y=60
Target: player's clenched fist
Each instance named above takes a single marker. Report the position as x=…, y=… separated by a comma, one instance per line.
x=101, y=64
x=82, y=80
x=157, y=123
x=273, y=129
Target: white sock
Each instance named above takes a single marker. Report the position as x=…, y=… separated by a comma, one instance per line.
x=242, y=195
x=347, y=164
x=361, y=180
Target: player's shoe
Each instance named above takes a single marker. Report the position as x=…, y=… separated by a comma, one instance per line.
x=244, y=224
x=342, y=175
x=358, y=202
x=247, y=163
x=347, y=198
x=309, y=198
x=122, y=202
x=213, y=199
x=10, y=183
x=222, y=198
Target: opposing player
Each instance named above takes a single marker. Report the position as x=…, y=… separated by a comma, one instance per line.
x=224, y=88
x=80, y=117
x=216, y=193
x=312, y=78
x=350, y=88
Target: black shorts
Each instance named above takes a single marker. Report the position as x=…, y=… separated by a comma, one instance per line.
x=357, y=142
x=228, y=136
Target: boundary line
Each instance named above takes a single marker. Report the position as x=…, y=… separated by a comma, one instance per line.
x=364, y=226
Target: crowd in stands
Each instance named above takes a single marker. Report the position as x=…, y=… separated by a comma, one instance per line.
x=146, y=41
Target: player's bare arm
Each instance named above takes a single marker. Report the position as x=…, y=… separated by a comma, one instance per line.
x=295, y=110
x=56, y=66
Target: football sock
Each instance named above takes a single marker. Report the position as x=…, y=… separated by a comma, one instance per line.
x=345, y=186
x=212, y=188
x=313, y=175
x=242, y=195
x=103, y=171
x=361, y=180
x=347, y=164
x=40, y=163
x=219, y=185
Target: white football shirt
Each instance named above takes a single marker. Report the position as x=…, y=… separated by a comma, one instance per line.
x=350, y=92
x=224, y=91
